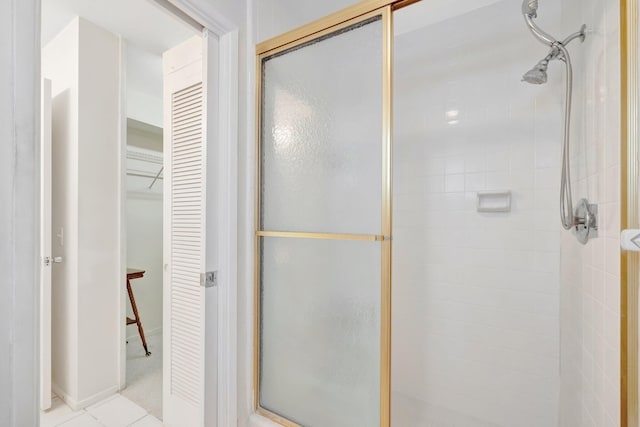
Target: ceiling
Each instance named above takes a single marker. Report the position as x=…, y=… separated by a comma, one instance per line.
x=426, y=13
x=148, y=31
x=141, y=22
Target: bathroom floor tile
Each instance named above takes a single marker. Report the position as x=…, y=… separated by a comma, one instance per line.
x=148, y=421
x=117, y=412
x=58, y=414
x=84, y=420
x=102, y=402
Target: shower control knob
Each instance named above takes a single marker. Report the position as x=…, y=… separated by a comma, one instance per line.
x=585, y=221
x=630, y=240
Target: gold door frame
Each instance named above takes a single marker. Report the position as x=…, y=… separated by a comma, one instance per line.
x=629, y=198
x=629, y=214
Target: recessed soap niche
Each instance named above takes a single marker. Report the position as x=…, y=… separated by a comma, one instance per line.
x=493, y=201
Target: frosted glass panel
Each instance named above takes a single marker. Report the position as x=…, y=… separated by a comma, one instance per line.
x=321, y=134
x=320, y=331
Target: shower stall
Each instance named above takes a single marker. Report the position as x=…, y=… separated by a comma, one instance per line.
x=415, y=254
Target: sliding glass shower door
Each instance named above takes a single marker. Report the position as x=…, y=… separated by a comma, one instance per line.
x=322, y=282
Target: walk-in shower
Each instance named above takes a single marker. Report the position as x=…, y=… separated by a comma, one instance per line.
x=584, y=219
x=410, y=267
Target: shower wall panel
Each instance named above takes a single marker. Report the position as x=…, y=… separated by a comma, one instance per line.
x=590, y=283
x=475, y=295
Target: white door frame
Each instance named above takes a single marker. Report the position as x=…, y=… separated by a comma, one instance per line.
x=45, y=245
x=225, y=69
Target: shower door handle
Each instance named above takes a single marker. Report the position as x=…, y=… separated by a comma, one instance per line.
x=630, y=240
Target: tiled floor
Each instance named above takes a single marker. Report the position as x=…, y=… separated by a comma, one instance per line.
x=114, y=411
x=144, y=374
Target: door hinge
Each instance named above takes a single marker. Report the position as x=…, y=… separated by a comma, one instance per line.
x=51, y=260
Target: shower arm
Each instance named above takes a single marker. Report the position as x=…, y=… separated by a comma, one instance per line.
x=529, y=9
x=556, y=52
x=538, y=33
x=577, y=35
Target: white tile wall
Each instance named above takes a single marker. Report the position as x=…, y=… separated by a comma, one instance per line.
x=590, y=277
x=476, y=300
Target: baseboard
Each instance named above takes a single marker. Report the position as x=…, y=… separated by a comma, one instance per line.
x=81, y=404
x=150, y=333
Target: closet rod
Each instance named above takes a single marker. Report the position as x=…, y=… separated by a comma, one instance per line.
x=157, y=177
x=143, y=175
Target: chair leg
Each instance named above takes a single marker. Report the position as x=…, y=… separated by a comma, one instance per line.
x=137, y=318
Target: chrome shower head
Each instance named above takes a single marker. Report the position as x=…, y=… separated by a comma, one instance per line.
x=530, y=8
x=538, y=74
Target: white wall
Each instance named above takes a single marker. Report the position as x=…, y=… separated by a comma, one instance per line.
x=60, y=64
x=83, y=63
x=144, y=85
x=590, y=302
x=144, y=251
x=19, y=177
x=144, y=236
x=99, y=248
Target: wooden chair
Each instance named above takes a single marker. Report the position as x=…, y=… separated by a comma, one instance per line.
x=133, y=273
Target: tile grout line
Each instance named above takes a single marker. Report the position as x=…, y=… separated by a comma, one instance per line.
x=75, y=414
x=81, y=412
x=141, y=418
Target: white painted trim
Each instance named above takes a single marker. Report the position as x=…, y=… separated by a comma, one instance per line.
x=248, y=417
x=122, y=220
x=144, y=195
x=257, y=420
x=19, y=190
x=137, y=153
x=211, y=19
x=227, y=291
x=81, y=404
x=214, y=214
x=45, y=243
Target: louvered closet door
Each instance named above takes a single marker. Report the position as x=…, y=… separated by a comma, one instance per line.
x=184, y=247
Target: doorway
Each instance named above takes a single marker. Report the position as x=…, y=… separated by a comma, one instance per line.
x=137, y=210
